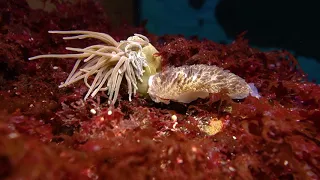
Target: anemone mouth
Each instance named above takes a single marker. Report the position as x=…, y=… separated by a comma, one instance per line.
x=102, y=67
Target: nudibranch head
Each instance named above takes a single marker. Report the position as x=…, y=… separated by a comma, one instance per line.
x=188, y=83
x=109, y=63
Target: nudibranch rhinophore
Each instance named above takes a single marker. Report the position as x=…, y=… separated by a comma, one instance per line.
x=109, y=63
x=188, y=83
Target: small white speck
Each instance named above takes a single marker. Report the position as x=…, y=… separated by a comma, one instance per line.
x=174, y=117
x=162, y=166
x=174, y=125
x=274, y=150
x=194, y=149
x=96, y=148
x=232, y=169
x=234, y=137
x=109, y=112
x=55, y=67
x=13, y=135
x=285, y=162
x=179, y=160
x=31, y=105
x=223, y=162
x=93, y=111
x=170, y=151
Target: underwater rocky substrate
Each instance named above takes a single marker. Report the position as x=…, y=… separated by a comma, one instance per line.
x=48, y=132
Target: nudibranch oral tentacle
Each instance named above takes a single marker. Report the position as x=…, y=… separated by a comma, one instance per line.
x=188, y=83
x=133, y=59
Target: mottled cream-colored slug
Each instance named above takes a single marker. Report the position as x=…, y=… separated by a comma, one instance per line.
x=188, y=83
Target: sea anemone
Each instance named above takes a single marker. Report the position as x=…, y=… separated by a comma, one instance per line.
x=188, y=83
x=133, y=59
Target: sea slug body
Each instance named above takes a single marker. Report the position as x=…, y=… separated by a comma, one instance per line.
x=188, y=83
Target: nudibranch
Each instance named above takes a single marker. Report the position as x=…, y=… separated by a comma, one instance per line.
x=188, y=83
x=109, y=63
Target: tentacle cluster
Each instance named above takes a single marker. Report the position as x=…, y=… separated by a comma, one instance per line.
x=107, y=63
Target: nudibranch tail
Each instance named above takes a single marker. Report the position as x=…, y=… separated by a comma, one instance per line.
x=188, y=83
x=254, y=91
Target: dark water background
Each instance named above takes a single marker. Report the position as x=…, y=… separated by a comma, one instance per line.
x=288, y=24
x=272, y=24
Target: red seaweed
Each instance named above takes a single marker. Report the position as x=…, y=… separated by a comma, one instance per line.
x=52, y=133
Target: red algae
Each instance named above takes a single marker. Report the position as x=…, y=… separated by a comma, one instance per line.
x=52, y=133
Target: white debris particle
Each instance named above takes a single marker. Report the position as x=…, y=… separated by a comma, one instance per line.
x=274, y=150
x=13, y=135
x=55, y=67
x=174, y=117
x=96, y=148
x=232, y=169
x=170, y=151
x=93, y=111
x=234, y=137
x=174, y=125
x=194, y=149
x=163, y=166
x=179, y=160
x=285, y=162
x=109, y=112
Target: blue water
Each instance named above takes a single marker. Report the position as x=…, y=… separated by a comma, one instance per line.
x=177, y=17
